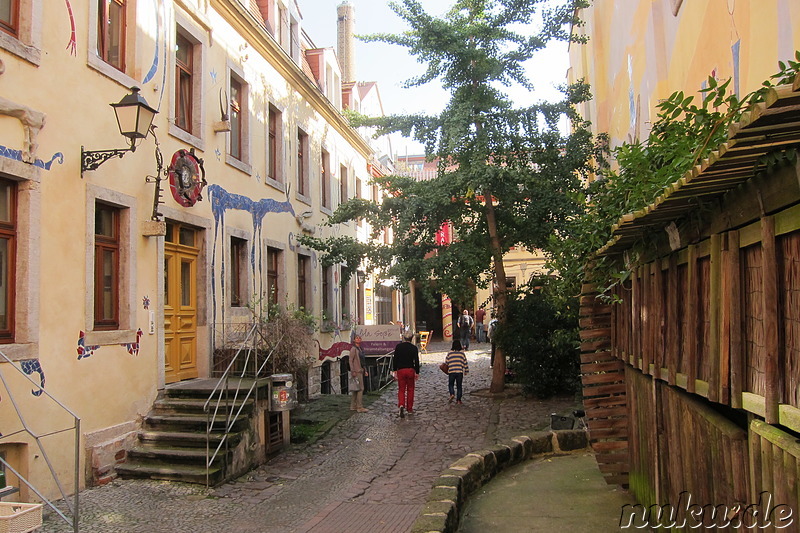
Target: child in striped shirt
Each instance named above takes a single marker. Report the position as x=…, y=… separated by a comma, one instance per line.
x=457, y=367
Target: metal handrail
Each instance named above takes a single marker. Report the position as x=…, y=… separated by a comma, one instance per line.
x=74, y=508
x=221, y=391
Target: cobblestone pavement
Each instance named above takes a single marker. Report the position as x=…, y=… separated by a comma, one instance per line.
x=372, y=472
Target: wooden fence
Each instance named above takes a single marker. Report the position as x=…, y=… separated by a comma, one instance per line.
x=692, y=380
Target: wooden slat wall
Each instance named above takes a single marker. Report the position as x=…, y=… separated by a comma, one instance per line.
x=790, y=281
x=604, y=396
x=774, y=462
x=719, y=319
x=752, y=295
x=644, y=435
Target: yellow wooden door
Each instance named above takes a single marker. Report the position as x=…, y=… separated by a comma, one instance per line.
x=180, y=303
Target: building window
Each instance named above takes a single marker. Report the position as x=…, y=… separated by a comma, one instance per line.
x=273, y=264
x=8, y=239
x=325, y=178
x=302, y=162
x=274, y=146
x=184, y=61
x=237, y=108
x=343, y=177
x=302, y=283
x=9, y=16
x=345, y=292
x=106, y=267
x=359, y=194
x=111, y=32
x=327, y=308
x=238, y=272
x=383, y=305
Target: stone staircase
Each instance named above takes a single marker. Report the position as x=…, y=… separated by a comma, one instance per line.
x=172, y=442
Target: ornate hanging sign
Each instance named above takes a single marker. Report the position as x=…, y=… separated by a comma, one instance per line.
x=186, y=177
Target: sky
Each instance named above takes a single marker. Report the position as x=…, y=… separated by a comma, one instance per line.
x=391, y=65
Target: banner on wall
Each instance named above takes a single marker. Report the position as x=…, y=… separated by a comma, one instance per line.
x=368, y=305
x=447, y=318
x=378, y=340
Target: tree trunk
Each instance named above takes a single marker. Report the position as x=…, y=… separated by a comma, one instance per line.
x=500, y=294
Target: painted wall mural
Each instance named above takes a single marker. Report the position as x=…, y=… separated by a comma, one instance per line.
x=335, y=350
x=32, y=366
x=16, y=155
x=222, y=201
x=86, y=350
x=72, y=45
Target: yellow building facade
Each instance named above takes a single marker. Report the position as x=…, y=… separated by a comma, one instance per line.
x=640, y=52
x=106, y=298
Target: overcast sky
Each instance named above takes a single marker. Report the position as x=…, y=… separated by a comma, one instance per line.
x=391, y=65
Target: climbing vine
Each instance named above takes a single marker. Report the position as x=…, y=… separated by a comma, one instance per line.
x=685, y=132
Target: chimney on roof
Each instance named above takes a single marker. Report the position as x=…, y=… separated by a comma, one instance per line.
x=346, y=47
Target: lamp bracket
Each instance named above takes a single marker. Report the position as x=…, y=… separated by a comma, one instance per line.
x=91, y=159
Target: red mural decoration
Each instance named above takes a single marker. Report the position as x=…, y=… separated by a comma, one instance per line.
x=335, y=350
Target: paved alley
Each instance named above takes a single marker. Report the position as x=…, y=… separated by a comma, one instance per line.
x=371, y=473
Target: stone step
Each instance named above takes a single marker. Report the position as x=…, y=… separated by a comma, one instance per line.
x=172, y=454
x=171, y=472
x=186, y=439
x=190, y=422
x=197, y=406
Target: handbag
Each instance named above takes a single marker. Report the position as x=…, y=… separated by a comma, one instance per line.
x=443, y=367
x=353, y=384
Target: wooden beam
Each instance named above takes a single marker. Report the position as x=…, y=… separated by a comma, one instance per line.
x=692, y=336
x=770, y=306
x=715, y=290
x=736, y=345
x=673, y=321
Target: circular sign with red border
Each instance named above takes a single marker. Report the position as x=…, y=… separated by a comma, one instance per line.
x=186, y=178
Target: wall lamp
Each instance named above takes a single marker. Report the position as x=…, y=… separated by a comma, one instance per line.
x=134, y=117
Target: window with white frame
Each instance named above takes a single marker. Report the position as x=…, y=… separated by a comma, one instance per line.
x=302, y=163
x=112, y=32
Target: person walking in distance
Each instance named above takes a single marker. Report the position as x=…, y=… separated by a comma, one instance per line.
x=465, y=323
x=480, y=333
x=405, y=365
x=358, y=370
x=457, y=368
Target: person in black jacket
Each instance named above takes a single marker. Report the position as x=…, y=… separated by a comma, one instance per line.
x=405, y=365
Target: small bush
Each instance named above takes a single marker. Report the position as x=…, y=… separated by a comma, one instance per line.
x=540, y=339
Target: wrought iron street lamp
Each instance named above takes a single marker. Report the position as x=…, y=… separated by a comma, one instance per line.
x=134, y=118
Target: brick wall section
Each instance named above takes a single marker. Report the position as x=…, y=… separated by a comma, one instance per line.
x=450, y=492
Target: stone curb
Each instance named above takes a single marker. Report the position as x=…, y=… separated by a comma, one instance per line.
x=450, y=492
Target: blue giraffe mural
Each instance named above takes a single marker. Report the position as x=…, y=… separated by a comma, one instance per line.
x=222, y=201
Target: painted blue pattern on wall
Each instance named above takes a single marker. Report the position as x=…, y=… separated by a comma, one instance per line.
x=154, y=65
x=32, y=366
x=16, y=155
x=221, y=201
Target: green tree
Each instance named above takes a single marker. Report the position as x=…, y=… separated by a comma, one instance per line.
x=507, y=175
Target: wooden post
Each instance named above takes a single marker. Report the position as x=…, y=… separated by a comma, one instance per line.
x=736, y=347
x=691, y=336
x=770, y=306
x=725, y=322
x=635, y=322
x=673, y=301
x=658, y=330
x=646, y=314
x=715, y=297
